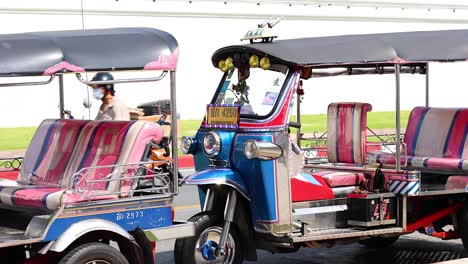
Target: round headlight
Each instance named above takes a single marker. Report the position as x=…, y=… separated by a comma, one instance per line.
x=185, y=144
x=211, y=143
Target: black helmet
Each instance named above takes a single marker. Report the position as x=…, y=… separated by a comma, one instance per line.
x=105, y=76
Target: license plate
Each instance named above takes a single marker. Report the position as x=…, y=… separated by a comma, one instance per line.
x=222, y=116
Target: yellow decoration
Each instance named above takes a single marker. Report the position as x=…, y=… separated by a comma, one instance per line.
x=253, y=61
x=265, y=63
x=229, y=63
x=222, y=66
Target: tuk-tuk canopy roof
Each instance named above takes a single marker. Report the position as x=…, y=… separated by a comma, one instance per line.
x=360, y=50
x=47, y=53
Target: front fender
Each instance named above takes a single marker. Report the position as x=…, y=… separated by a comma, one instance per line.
x=79, y=229
x=223, y=176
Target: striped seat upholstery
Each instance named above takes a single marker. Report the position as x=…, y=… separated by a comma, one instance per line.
x=60, y=148
x=110, y=143
x=49, y=152
x=347, y=124
x=436, y=138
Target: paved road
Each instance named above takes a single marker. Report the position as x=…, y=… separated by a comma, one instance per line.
x=410, y=249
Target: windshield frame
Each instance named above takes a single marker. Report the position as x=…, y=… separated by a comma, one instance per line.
x=287, y=73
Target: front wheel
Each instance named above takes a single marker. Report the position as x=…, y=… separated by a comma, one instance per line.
x=94, y=253
x=201, y=247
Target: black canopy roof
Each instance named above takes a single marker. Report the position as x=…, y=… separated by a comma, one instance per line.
x=335, y=51
x=46, y=53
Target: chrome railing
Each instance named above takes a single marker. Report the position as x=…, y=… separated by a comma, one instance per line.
x=123, y=180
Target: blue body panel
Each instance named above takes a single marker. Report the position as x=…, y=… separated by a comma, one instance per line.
x=145, y=218
x=219, y=176
x=201, y=160
x=259, y=176
x=255, y=179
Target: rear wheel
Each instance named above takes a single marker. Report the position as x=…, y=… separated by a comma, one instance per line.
x=378, y=242
x=463, y=225
x=201, y=248
x=94, y=253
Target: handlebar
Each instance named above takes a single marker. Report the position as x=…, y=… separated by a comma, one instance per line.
x=294, y=124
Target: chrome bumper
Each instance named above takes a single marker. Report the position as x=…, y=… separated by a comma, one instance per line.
x=178, y=229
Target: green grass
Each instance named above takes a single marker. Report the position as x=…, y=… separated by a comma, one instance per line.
x=15, y=138
x=375, y=121
x=18, y=138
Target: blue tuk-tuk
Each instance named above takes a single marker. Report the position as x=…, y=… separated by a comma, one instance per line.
x=262, y=186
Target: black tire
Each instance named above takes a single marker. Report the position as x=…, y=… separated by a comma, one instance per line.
x=184, y=249
x=94, y=251
x=463, y=225
x=379, y=242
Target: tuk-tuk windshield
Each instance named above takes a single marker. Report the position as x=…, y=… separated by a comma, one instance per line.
x=254, y=89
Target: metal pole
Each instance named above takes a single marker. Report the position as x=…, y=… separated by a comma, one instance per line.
x=397, y=112
x=427, y=84
x=174, y=132
x=298, y=119
x=61, y=102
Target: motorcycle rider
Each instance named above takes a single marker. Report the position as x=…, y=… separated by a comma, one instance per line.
x=111, y=108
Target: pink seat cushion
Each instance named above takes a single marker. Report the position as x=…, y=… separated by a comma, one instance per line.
x=340, y=178
x=305, y=187
x=456, y=182
x=46, y=197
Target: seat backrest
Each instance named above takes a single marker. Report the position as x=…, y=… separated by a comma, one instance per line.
x=346, y=134
x=49, y=151
x=108, y=143
x=437, y=132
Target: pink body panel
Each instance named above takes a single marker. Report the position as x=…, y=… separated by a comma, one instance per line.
x=63, y=66
x=164, y=62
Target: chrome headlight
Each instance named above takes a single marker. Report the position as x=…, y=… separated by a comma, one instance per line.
x=211, y=143
x=261, y=150
x=188, y=145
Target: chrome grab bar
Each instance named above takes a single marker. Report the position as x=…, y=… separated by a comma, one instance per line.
x=28, y=83
x=151, y=79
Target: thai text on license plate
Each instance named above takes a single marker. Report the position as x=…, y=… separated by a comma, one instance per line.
x=223, y=116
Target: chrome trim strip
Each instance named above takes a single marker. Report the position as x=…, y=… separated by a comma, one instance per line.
x=318, y=210
x=178, y=229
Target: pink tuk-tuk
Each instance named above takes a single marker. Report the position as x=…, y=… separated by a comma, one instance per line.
x=89, y=191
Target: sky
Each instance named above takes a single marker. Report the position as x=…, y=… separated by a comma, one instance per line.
x=202, y=28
